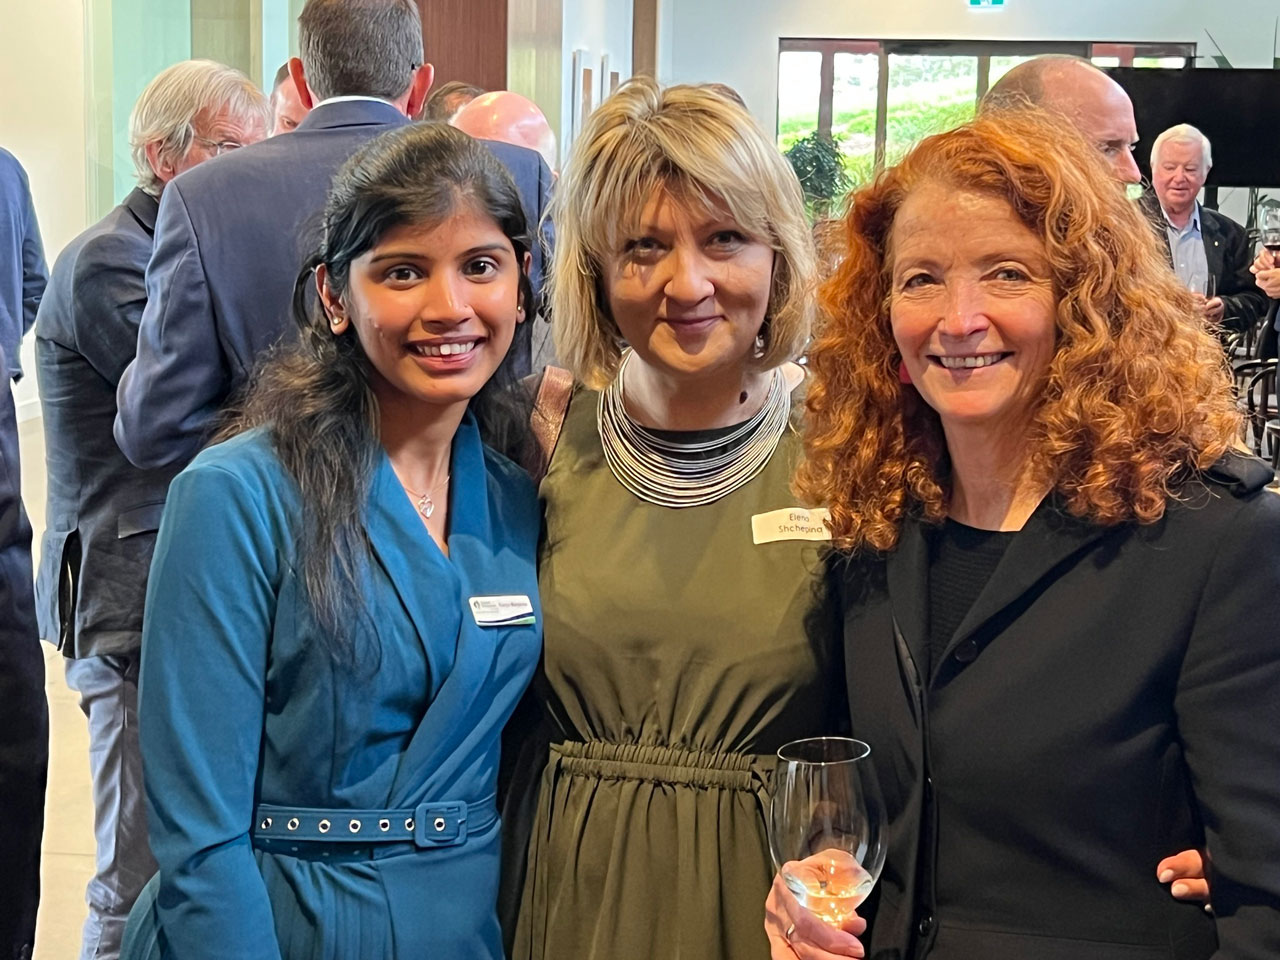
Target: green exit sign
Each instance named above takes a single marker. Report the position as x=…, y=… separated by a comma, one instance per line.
x=986, y=3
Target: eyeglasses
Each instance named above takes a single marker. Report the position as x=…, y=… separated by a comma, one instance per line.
x=219, y=147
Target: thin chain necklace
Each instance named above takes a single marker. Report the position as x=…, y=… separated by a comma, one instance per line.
x=688, y=474
x=422, y=501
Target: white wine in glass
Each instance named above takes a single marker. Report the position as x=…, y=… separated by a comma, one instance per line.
x=826, y=825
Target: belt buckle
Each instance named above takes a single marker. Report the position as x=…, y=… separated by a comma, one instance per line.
x=440, y=824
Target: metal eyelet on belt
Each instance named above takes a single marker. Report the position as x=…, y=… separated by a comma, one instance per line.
x=354, y=825
x=408, y=824
x=293, y=823
x=323, y=826
x=266, y=823
x=384, y=825
x=439, y=824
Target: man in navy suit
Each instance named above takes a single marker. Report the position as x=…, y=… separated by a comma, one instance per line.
x=24, y=715
x=232, y=234
x=103, y=512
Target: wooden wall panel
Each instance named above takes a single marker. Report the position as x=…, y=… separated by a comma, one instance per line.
x=644, y=38
x=466, y=40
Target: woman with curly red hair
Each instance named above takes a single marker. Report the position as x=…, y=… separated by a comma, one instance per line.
x=1060, y=584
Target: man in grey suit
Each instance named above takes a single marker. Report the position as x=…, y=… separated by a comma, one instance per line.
x=232, y=234
x=103, y=512
x=24, y=715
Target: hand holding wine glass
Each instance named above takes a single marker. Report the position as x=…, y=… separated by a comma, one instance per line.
x=826, y=822
x=1266, y=267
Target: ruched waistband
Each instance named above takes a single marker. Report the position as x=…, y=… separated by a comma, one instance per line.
x=604, y=760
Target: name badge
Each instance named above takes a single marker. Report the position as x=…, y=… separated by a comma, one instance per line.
x=792, y=523
x=513, y=611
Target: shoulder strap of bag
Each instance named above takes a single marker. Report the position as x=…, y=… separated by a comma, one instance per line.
x=547, y=419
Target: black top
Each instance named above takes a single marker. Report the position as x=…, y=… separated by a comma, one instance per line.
x=961, y=561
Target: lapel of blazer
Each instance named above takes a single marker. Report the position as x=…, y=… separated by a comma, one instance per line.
x=1213, y=237
x=1050, y=538
x=907, y=576
x=449, y=718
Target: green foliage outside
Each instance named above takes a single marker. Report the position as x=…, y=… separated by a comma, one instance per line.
x=819, y=166
x=855, y=130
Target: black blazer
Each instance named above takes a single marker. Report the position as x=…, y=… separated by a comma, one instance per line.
x=103, y=512
x=1229, y=254
x=1113, y=697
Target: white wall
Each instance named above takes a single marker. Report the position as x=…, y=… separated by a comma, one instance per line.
x=599, y=27
x=736, y=41
x=42, y=122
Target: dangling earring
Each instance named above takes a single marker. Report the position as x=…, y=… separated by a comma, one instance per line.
x=762, y=339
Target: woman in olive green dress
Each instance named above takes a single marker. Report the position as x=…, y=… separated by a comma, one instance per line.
x=686, y=637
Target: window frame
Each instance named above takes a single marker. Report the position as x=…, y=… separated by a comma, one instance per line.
x=984, y=50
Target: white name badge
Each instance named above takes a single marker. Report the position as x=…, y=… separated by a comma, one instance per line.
x=791, y=523
x=513, y=611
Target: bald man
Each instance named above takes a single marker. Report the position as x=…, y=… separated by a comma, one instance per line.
x=1094, y=103
x=287, y=109
x=508, y=118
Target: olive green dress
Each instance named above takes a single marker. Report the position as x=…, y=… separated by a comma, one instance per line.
x=678, y=658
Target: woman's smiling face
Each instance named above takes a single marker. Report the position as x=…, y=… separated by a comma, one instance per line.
x=972, y=305
x=435, y=307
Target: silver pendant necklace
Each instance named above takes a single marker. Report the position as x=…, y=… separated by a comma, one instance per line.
x=677, y=474
x=422, y=501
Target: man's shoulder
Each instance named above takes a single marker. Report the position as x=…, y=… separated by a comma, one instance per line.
x=9, y=163
x=274, y=174
x=114, y=243
x=520, y=161
x=13, y=177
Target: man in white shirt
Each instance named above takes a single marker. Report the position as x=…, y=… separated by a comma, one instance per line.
x=1209, y=252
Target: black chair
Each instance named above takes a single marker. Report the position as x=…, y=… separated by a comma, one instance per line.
x=1255, y=384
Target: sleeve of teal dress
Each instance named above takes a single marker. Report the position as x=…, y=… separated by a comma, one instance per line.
x=210, y=606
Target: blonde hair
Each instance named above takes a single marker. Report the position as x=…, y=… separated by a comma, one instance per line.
x=167, y=109
x=701, y=148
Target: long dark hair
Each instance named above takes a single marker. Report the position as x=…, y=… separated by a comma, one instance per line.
x=315, y=397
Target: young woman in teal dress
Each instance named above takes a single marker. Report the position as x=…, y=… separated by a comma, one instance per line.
x=343, y=607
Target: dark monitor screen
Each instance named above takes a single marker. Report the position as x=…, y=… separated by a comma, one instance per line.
x=1236, y=109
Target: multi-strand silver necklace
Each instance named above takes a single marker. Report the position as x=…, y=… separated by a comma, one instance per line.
x=688, y=474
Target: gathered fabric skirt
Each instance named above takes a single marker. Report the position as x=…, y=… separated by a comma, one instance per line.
x=640, y=851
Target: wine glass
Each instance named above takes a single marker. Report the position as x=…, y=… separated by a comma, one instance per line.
x=826, y=824
x=1271, y=230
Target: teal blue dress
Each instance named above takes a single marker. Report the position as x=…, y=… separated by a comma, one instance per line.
x=300, y=807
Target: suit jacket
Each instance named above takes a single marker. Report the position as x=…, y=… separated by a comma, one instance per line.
x=243, y=704
x=1110, y=699
x=231, y=236
x=102, y=512
x=1229, y=254
x=23, y=273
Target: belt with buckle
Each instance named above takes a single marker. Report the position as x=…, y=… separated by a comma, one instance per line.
x=441, y=824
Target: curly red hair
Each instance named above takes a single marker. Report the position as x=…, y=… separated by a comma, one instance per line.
x=1137, y=396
